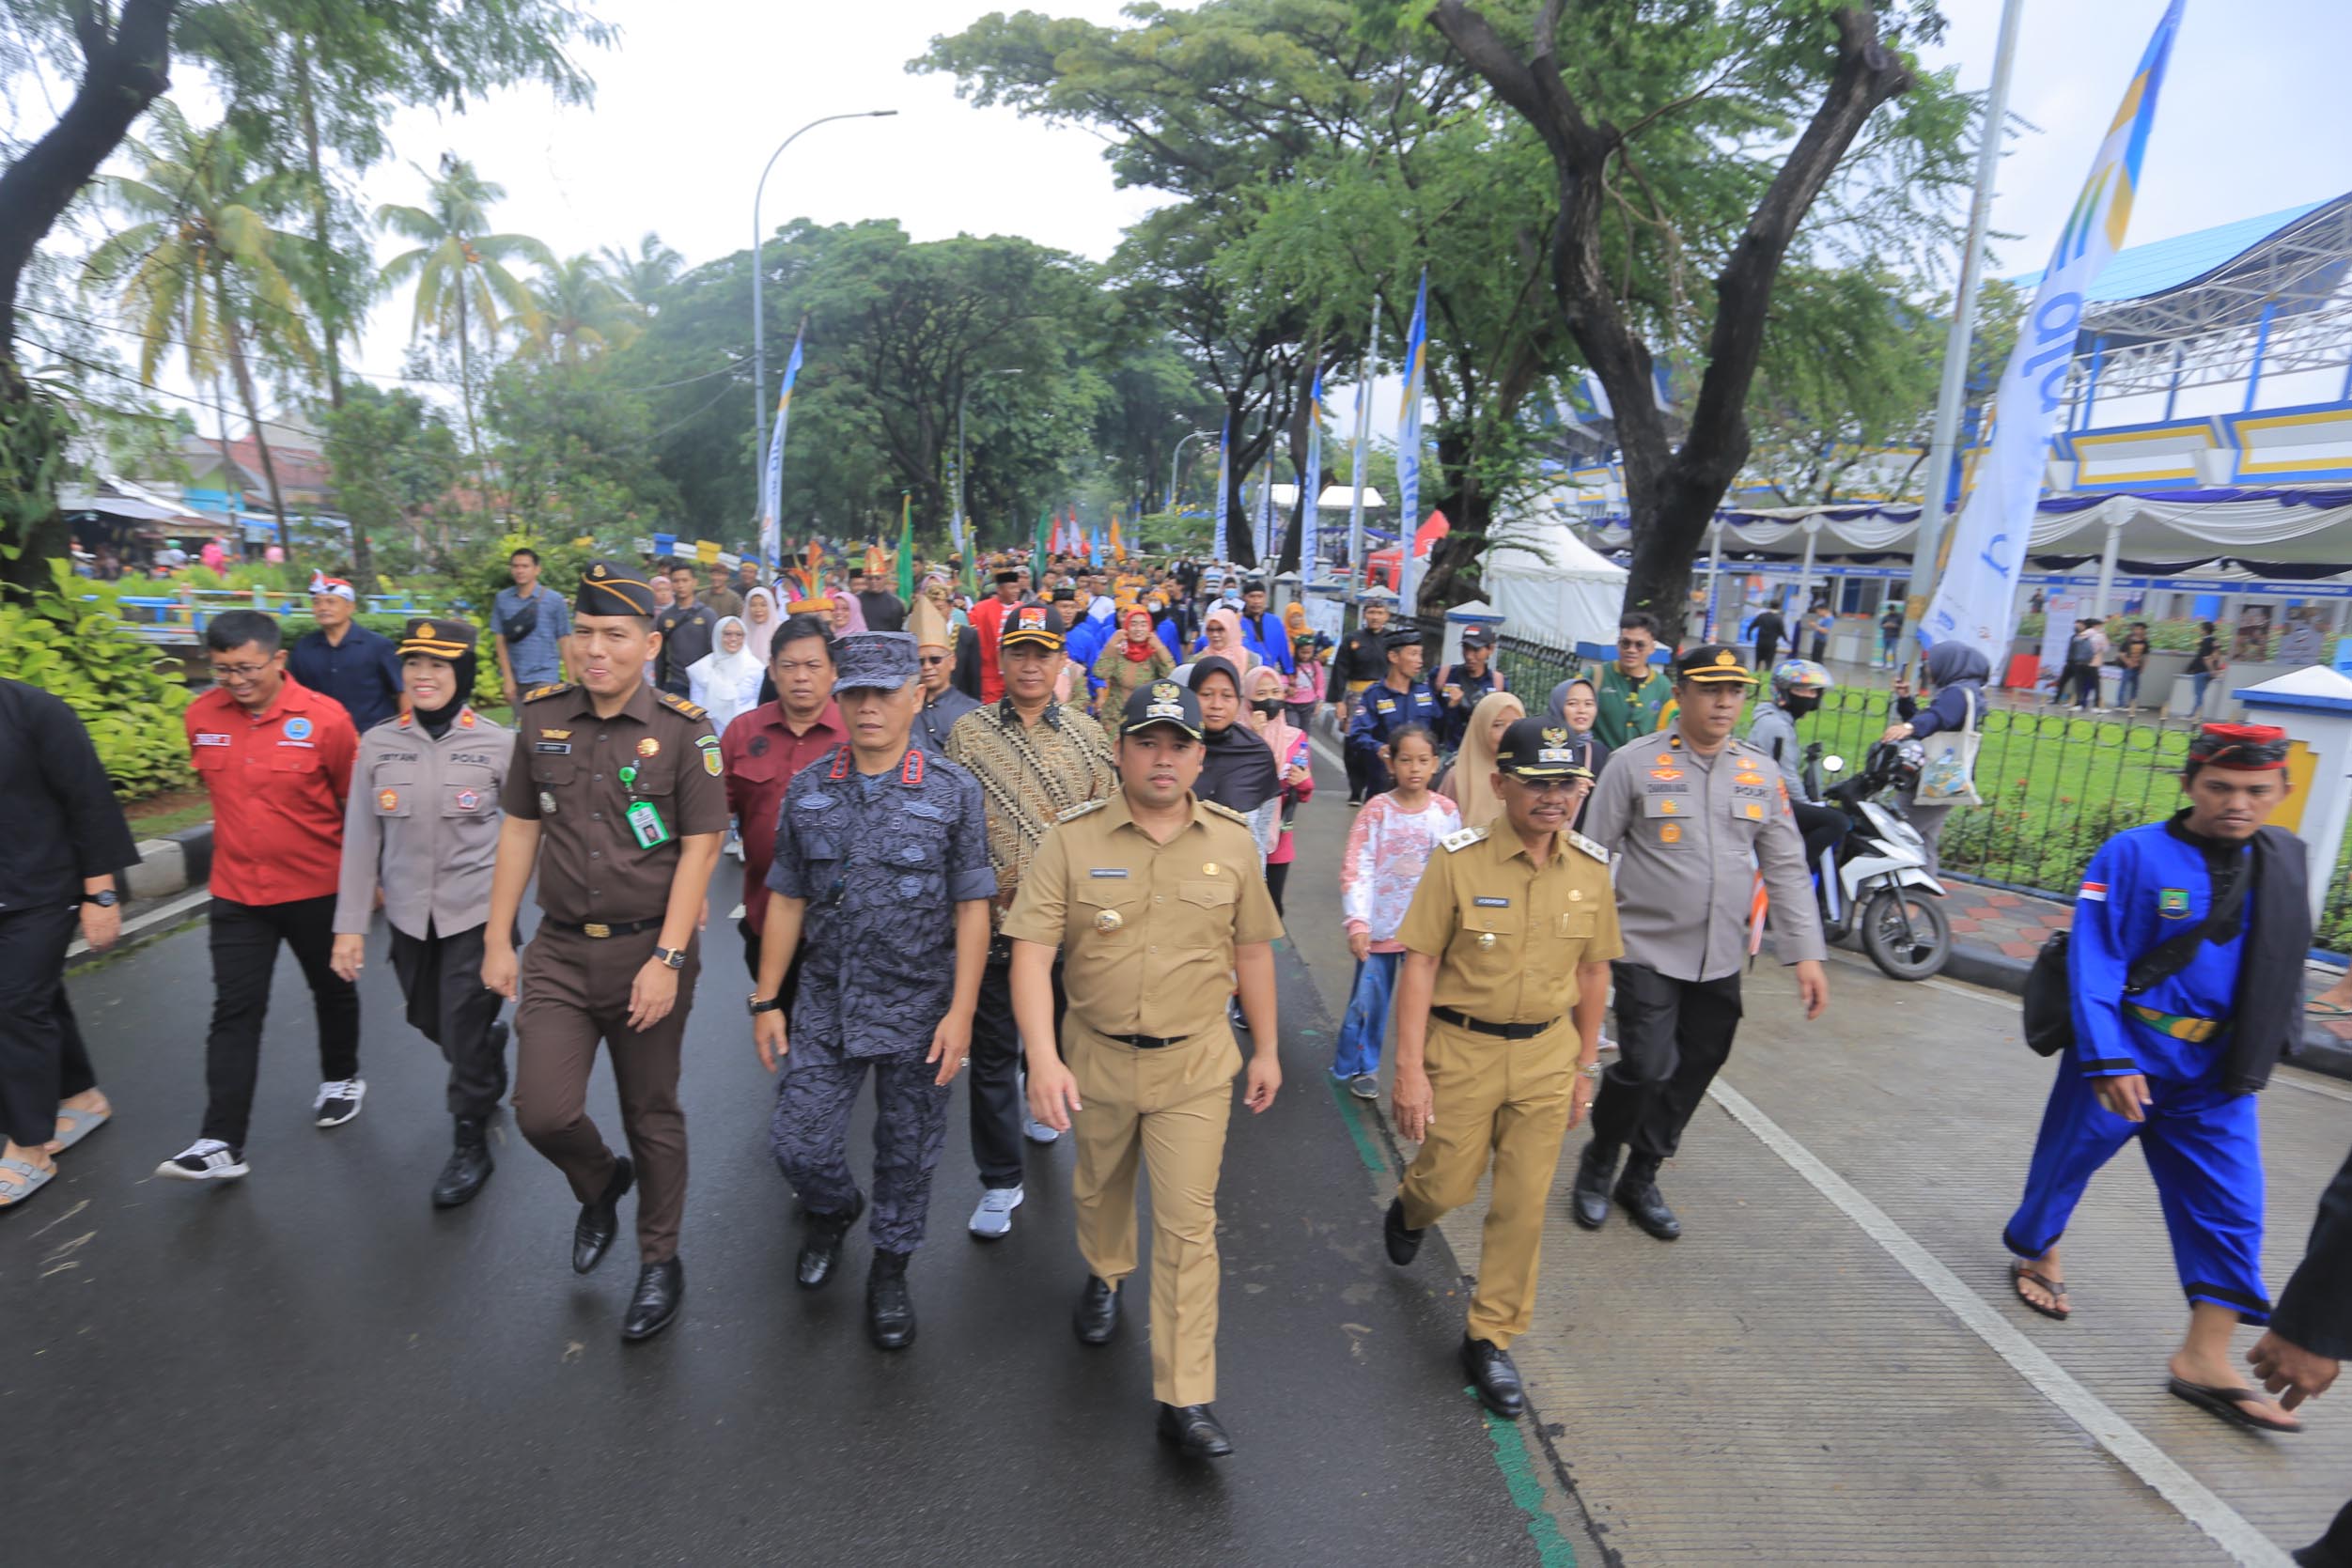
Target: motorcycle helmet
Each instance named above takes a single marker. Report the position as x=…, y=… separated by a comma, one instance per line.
x=1799, y=683
x=1904, y=765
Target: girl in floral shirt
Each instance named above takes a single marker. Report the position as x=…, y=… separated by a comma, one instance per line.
x=1388, y=843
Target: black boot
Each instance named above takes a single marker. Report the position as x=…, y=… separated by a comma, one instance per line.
x=1637, y=1190
x=1496, y=1379
x=661, y=1291
x=1403, y=1242
x=1588, y=1200
x=469, y=1166
x=888, y=1310
x=1097, y=1315
x=599, y=1220
x=820, y=1247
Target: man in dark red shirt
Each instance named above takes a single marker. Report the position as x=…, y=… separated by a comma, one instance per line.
x=988, y=622
x=276, y=758
x=765, y=748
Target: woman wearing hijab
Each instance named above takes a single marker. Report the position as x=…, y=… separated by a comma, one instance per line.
x=1270, y=717
x=1127, y=663
x=1469, y=783
x=1220, y=638
x=760, y=621
x=1957, y=672
x=1238, y=771
x=725, y=680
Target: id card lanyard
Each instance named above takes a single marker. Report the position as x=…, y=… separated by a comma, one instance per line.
x=644, y=817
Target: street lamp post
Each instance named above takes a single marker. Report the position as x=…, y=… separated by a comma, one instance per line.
x=760, y=321
x=961, y=398
x=1172, y=465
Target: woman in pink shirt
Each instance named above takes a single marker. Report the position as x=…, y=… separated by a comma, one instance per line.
x=1388, y=843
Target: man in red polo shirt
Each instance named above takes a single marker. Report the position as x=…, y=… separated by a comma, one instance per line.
x=276, y=758
x=765, y=748
x=988, y=623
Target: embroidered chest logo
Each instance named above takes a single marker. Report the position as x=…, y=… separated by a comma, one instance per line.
x=2172, y=903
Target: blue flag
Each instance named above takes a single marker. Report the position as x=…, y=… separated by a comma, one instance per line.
x=771, y=481
x=1311, y=486
x=1409, y=448
x=1225, y=481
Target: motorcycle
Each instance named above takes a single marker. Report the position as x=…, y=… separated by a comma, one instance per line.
x=1882, y=888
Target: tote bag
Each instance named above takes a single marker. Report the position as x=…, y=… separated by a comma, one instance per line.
x=1948, y=776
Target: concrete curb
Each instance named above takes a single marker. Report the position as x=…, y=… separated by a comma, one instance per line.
x=171, y=864
x=2321, y=1051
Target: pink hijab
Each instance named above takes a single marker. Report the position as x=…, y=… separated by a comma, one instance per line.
x=1280, y=732
x=1239, y=652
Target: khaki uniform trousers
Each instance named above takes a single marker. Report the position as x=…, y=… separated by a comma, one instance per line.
x=1507, y=1101
x=1170, y=1107
x=575, y=993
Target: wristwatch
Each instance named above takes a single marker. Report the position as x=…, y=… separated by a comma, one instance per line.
x=105, y=900
x=674, y=956
x=770, y=1005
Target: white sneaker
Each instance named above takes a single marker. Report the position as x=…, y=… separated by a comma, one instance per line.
x=338, y=1102
x=993, y=1219
x=1036, y=1131
x=207, y=1159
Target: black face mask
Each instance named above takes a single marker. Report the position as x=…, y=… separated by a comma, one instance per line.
x=1800, y=702
x=1268, y=707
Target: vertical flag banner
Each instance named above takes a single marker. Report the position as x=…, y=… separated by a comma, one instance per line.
x=1036, y=548
x=1224, y=483
x=906, y=546
x=1409, y=449
x=1310, y=485
x=1118, y=550
x=1266, y=513
x=1976, y=592
x=771, y=479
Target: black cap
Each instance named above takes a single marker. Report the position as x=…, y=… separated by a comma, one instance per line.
x=1402, y=637
x=1254, y=585
x=446, y=638
x=1030, y=623
x=1009, y=575
x=610, y=588
x=1163, y=702
x=1478, y=637
x=1713, y=664
x=1063, y=596
x=1533, y=749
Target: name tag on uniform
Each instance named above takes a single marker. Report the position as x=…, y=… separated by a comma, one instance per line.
x=645, y=824
x=553, y=748
x=1384, y=704
x=1491, y=903
x=203, y=739
x=1107, y=871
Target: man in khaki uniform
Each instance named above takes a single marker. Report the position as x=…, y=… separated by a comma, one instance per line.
x=1498, y=1031
x=1156, y=899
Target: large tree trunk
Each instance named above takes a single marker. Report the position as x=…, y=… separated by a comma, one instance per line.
x=472, y=432
x=124, y=72
x=1672, y=492
x=253, y=414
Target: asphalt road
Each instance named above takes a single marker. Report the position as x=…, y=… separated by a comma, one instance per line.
x=313, y=1366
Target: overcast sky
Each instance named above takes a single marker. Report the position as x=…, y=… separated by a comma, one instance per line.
x=698, y=93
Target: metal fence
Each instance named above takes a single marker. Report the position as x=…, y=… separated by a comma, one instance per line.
x=1532, y=669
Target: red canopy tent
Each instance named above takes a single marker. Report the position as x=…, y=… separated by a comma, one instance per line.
x=1380, y=564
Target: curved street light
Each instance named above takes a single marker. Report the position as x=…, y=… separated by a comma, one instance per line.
x=1172, y=465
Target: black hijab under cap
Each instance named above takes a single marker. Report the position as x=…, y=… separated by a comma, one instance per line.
x=1239, y=772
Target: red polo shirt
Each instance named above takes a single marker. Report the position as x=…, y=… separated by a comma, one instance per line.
x=761, y=755
x=278, y=780
x=988, y=623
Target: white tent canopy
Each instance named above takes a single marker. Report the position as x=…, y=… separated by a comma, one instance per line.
x=1550, y=586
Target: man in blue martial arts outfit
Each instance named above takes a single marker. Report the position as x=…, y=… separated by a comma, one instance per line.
x=2176, y=1063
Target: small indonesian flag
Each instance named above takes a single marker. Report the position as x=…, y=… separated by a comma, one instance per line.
x=2095, y=890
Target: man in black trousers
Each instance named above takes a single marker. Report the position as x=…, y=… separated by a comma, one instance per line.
x=2311, y=1335
x=69, y=840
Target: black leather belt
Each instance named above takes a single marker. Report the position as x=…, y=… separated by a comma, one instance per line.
x=600, y=929
x=1502, y=1030
x=1149, y=1042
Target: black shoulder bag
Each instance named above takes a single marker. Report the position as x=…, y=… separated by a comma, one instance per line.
x=521, y=621
x=2050, y=1026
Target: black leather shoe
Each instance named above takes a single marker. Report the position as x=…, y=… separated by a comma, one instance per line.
x=820, y=1248
x=1495, y=1378
x=661, y=1291
x=888, y=1310
x=1097, y=1315
x=469, y=1167
x=1638, y=1192
x=1403, y=1242
x=601, y=1221
x=1588, y=1200
x=1193, y=1430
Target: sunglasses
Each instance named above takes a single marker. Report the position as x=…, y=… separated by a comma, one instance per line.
x=932, y=660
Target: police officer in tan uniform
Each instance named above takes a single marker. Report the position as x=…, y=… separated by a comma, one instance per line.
x=615, y=799
x=1155, y=898
x=1498, y=1031
x=1694, y=818
x=422, y=825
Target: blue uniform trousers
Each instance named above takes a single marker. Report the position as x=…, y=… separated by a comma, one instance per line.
x=1361, y=1033
x=810, y=1135
x=2204, y=1148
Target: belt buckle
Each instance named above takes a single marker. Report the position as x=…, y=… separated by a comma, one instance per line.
x=596, y=929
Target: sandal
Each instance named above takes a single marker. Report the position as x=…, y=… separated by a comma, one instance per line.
x=85, y=1122
x=2019, y=1274
x=35, y=1178
x=2229, y=1404
x=2318, y=1008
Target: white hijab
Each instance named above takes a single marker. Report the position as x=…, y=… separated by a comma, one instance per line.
x=726, y=683
x=757, y=637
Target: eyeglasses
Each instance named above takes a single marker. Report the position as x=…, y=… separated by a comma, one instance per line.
x=932, y=660
x=1548, y=786
x=238, y=674
x=1644, y=642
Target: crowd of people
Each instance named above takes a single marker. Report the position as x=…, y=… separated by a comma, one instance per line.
x=1047, y=835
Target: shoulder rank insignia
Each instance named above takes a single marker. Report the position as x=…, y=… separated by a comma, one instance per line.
x=553, y=688
x=1455, y=842
x=1081, y=808
x=678, y=705
x=1227, y=812
x=1590, y=847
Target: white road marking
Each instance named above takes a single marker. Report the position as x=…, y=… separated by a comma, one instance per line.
x=2299, y=1079
x=1325, y=753
x=2151, y=1464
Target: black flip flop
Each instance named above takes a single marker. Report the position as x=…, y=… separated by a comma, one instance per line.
x=2228, y=1404
x=2018, y=1273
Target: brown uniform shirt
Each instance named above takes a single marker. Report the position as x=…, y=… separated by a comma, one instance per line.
x=567, y=777
x=1147, y=930
x=1508, y=936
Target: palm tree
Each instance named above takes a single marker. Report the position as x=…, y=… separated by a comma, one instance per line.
x=203, y=269
x=461, y=273
x=641, y=279
x=581, y=313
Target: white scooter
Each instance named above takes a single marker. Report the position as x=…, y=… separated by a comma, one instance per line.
x=1881, y=871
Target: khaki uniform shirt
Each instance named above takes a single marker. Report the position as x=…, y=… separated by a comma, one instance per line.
x=422, y=822
x=1507, y=933
x=567, y=777
x=1030, y=776
x=1147, y=930
x=1691, y=834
